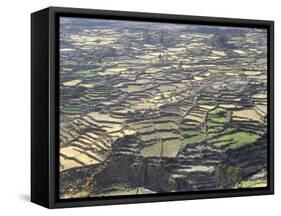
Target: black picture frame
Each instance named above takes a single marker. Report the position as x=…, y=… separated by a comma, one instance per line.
x=44, y=109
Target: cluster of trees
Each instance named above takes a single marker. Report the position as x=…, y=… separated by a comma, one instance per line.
x=159, y=38
x=222, y=40
x=98, y=55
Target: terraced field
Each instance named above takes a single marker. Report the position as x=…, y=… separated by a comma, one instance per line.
x=153, y=108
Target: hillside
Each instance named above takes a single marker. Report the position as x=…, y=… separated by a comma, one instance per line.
x=153, y=108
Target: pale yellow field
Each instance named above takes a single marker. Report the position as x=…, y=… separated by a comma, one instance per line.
x=250, y=113
x=72, y=83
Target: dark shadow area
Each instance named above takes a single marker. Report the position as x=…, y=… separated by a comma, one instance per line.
x=25, y=197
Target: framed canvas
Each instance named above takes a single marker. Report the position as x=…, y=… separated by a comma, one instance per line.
x=139, y=107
